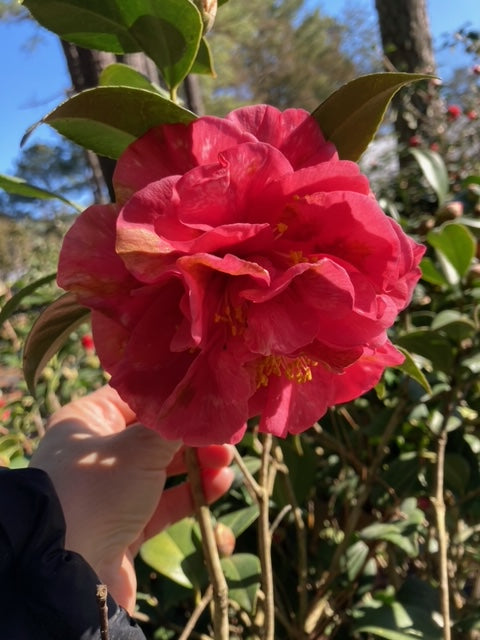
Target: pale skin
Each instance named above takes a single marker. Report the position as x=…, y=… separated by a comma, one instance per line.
x=109, y=473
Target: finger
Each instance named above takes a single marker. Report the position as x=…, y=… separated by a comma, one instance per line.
x=101, y=413
x=214, y=456
x=176, y=503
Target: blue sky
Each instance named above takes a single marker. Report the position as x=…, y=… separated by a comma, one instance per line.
x=35, y=81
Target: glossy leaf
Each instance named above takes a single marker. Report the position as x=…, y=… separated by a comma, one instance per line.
x=434, y=170
x=168, y=31
x=431, y=345
x=410, y=367
x=355, y=559
x=431, y=274
x=49, y=332
x=240, y=520
x=456, y=244
x=12, y=305
x=175, y=554
x=351, y=116
x=204, y=61
x=17, y=186
x=242, y=573
x=454, y=324
x=121, y=75
x=107, y=119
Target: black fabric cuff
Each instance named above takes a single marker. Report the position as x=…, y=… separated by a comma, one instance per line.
x=46, y=592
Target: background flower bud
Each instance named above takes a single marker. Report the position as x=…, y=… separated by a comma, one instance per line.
x=225, y=539
x=208, y=9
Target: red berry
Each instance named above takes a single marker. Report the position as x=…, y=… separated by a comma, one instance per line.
x=476, y=69
x=435, y=147
x=472, y=114
x=415, y=141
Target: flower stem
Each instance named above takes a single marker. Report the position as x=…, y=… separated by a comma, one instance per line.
x=265, y=541
x=210, y=551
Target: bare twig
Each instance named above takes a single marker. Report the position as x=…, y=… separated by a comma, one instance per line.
x=251, y=483
x=320, y=602
x=438, y=503
x=101, y=596
x=212, y=559
x=301, y=539
x=265, y=540
x=197, y=612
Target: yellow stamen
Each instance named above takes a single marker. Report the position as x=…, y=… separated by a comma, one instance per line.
x=294, y=369
x=235, y=317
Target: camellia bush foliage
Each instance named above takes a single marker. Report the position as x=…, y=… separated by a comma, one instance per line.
x=246, y=287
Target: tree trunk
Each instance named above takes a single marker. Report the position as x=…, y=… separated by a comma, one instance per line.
x=407, y=47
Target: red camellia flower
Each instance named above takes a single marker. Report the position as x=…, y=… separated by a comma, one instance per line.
x=244, y=271
x=88, y=343
x=454, y=111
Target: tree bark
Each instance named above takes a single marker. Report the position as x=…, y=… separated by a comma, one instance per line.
x=407, y=47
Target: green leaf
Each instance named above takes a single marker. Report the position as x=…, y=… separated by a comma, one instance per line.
x=431, y=274
x=204, y=61
x=434, y=170
x=457, y=245
x=49, y=332
x=12, y=305
x=389, y=532
x=121, y=75
x=242, y=573
x=19, y=187
x=355, y=559
x=390, y=634
x=175, y=554
x=430, y=345
x=108, y=119
x=410, y=367
x=168, y=31
x=240, y=520
x=472, y=363
x=454, y=325
x=351, y=116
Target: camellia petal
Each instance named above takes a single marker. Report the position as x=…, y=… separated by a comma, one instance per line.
x=244, y=271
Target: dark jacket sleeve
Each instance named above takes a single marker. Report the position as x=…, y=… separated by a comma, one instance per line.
x=46, y=592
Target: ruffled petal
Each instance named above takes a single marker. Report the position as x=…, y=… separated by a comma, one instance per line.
x=173, y=149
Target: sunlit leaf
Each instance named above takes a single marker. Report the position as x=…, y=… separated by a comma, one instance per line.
x=107, y=119
x=351, y=116
x=121, y=75
x=434, y=170
x=355, y=558
x=12, y=305
x=456, y=244
x=431, y=274
x=240, y=520
x=168, y=31
x=17, y=186
x=242, y=573
x=410, y=367
x=49, y=332
x=175, y=554
x=204, y=61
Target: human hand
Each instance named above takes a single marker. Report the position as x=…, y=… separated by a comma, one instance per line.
x=109, y=474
